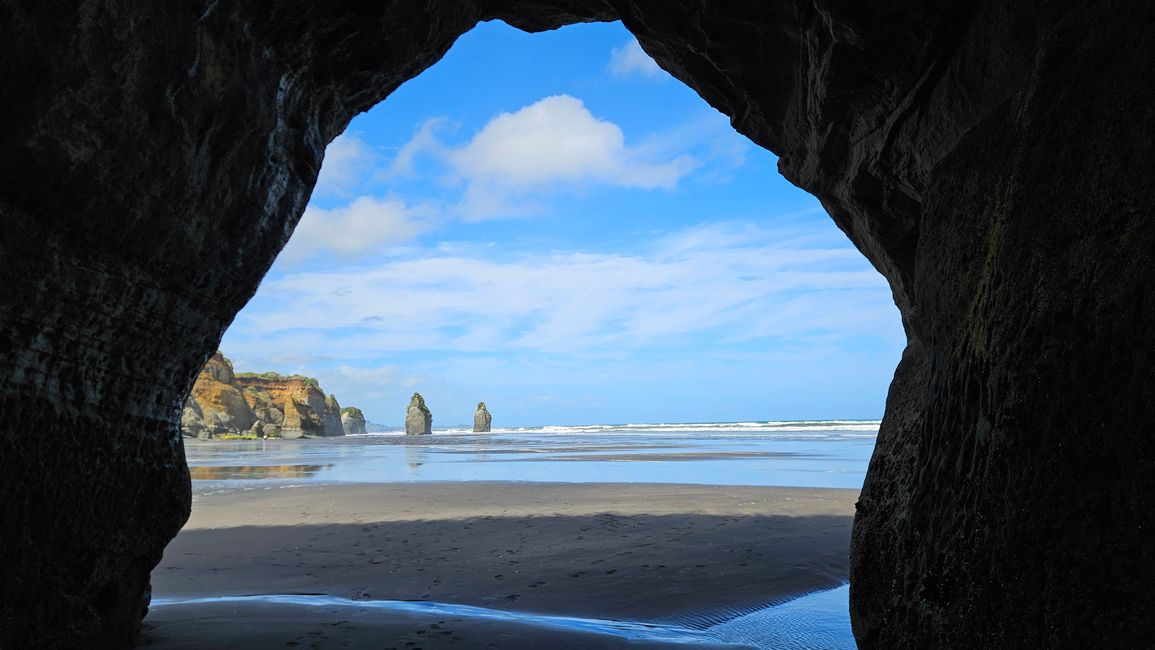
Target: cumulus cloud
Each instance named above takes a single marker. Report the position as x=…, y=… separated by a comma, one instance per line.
x=365, y=224
x=630, y=60
x=554, y=142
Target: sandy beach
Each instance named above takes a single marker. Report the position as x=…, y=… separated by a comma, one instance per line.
x=661, y=553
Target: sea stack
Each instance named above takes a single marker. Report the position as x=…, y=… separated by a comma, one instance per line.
x=482, y=419
x=353, y=420
x=418, y=419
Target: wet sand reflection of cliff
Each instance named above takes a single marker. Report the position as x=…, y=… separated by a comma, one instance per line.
x=416, y=456
x=247, y=472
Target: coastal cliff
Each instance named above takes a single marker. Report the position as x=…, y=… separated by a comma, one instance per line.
x=216, y=405
x=224, y=403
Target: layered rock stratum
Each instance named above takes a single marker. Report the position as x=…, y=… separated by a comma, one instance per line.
x=224, y=403
x=482, y=420
x=418, y=419
x=992, y=159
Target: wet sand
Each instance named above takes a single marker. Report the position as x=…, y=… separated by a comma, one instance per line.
x=677, y=554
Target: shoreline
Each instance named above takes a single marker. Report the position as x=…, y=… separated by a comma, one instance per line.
x=616, y=551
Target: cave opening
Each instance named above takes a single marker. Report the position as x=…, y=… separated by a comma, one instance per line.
x=554, y=225
x=991, y=159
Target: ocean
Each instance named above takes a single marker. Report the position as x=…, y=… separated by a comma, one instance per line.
x=812, y=453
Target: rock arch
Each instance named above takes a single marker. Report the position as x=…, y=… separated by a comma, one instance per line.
x=992, y=159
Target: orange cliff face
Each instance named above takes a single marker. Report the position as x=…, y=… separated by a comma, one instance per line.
x=216, y=406
x=261, y=405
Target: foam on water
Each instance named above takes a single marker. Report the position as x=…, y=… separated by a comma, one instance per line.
x=767, y=426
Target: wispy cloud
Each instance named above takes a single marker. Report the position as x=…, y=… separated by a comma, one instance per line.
x=630, y=60
x=424, y=142
x=721, y=284
x=375, y=383
x=349, y=163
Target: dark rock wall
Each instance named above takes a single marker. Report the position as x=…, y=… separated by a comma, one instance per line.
x=994, y=160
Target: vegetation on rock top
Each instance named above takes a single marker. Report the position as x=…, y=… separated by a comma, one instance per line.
x=311, y=382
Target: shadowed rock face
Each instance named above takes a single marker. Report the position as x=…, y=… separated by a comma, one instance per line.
x=992, y=159
x=331, y=417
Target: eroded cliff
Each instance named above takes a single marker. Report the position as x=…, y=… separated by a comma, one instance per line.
x=224, y=403
x=991, y=159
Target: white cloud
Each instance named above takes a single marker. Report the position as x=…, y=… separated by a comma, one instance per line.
x=630, y=60
x=719, y=284
x=361, y=226
x=557, y=140
x=349, y=161
x=554, y=142
x=516, y=163
x=424, y=141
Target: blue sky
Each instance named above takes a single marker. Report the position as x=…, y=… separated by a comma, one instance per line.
x=552, y=224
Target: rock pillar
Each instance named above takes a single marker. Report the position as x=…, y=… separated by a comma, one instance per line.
x=482, y=420
x=418, y=419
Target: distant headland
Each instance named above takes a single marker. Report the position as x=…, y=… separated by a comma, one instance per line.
x=229, y=405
